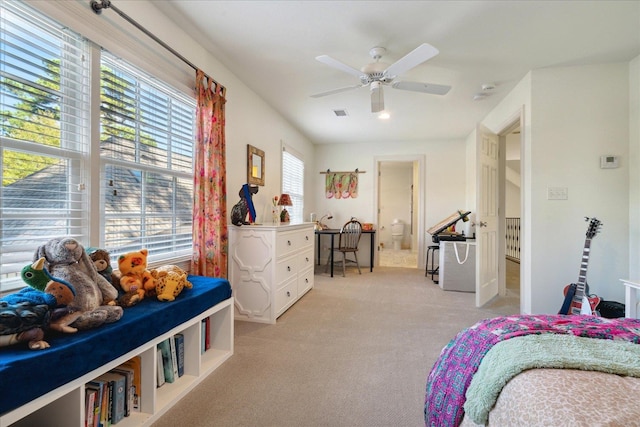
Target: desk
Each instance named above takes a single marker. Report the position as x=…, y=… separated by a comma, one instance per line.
x=335, y=231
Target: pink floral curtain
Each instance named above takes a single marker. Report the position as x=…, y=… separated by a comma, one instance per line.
x=210, y=238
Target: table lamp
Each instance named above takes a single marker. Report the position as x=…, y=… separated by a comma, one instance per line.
x=285, y=200
x=320, y=225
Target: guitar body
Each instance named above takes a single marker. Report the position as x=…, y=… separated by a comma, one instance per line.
x=587, y=305
x=576, y=295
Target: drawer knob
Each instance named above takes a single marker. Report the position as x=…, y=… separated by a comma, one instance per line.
x=306, y=280
x=288, y=293
x=288, y=268
x=306, y=237
x=307, y=258
x=289, y=242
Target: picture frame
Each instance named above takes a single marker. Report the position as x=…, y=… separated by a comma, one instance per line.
x=255, y=165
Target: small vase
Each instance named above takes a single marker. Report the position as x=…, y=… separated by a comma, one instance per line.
x=275, y=216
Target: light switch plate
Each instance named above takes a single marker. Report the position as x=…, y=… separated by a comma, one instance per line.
x=557, y=193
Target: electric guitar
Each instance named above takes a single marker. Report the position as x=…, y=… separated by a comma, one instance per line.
x=580, y=302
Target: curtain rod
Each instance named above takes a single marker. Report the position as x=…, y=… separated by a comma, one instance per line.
x=330, y=171
x=98, y=5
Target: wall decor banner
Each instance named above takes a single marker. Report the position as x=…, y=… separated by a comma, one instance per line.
x=341, y=185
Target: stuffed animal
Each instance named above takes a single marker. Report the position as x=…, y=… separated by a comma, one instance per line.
x=241, y=209
x=66, y=259
x=102, y=260
x=170, y=281
x=64, y=313
x=24, y=315
x=133, y=273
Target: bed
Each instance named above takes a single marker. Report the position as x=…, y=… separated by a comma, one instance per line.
x=538, y=370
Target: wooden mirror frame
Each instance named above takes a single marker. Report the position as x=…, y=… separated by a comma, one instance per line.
x=255, y=165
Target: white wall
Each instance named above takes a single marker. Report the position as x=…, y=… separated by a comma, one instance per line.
x=571, y=119
x=443, y=184
x=634, y=169
x=395, y=199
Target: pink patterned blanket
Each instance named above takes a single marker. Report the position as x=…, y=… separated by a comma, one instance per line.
x=459, y=360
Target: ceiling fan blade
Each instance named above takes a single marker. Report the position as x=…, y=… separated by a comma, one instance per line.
x=416, y=57
x=377, y=99
x=331, y=92
x=422, y=87
x=326, y=59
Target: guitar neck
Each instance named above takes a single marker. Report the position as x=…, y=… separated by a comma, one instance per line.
x=582, y=276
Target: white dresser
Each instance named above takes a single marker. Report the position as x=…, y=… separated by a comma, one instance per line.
x=270, y=268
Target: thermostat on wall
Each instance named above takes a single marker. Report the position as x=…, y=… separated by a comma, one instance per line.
x=608, y=162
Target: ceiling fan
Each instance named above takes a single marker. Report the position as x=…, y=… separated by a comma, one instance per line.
x=378, y=74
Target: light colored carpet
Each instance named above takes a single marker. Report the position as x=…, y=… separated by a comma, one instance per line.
x=355, y=351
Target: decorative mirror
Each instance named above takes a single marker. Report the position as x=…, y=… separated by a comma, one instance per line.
x=255, y=165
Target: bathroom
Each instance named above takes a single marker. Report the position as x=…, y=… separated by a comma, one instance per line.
x=397, y=197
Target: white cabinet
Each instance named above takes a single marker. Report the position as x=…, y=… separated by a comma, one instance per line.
x=271, y=267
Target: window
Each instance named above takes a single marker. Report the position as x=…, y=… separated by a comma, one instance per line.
x=146, y=148
x=43, y=136
x=293, y=182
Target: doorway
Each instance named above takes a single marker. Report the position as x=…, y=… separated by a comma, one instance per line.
x=512, y=212
x=398, y=212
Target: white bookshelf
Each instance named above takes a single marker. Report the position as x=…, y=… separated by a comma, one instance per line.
x=65, y=406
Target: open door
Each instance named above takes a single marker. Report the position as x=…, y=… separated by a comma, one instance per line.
x=487, y=150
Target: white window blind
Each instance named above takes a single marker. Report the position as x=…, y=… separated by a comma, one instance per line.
x=44, y=94
x=293, y=182
x=146, y=138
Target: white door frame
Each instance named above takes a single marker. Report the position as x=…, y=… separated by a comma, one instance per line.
x=419, y=189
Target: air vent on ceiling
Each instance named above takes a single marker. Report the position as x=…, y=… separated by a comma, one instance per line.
x=340, y=113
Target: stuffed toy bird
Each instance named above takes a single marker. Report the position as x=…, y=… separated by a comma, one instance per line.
x=62, y=311
x=36, y=276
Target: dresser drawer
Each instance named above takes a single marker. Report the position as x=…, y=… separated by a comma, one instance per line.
x=307, y=237
x=286, y=268
x=305, y=282
x=305, y=259
x=285, y=296
x=287, y=243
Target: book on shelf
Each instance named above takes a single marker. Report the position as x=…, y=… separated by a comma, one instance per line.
x=174, y=357
x=97, y=403
x=90, y=396
x=129, y=387
x=167, y=364
x=160, y=369
x=102, y=419
x=207, y=333
x=179, y=339
x=203, y=332
x=117, y=385
x=135, y=364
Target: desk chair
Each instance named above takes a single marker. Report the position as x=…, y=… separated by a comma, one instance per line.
x=348, y=243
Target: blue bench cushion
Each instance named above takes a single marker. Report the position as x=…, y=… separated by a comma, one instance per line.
x=27, y=374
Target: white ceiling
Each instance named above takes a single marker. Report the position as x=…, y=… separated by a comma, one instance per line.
x=271, y=46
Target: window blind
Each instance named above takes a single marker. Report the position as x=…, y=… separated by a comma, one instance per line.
x=147, y=133
x=44, y=105
x=293, y=183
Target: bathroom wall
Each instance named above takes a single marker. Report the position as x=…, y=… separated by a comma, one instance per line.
x=396, y=200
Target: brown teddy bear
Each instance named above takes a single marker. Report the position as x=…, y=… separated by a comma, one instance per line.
x=102, y=260
x=134, y=278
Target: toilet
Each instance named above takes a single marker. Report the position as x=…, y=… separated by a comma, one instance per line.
x=397, y=233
